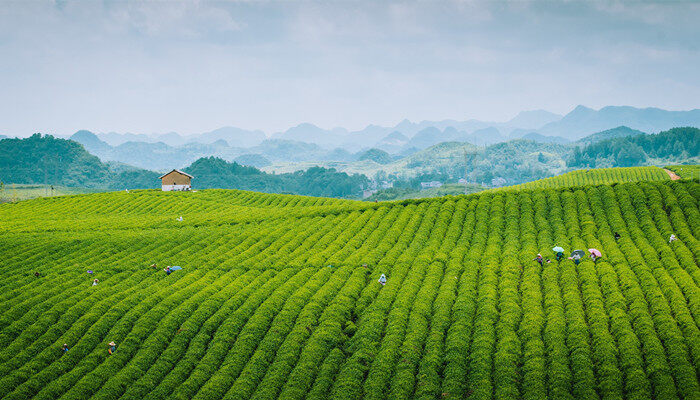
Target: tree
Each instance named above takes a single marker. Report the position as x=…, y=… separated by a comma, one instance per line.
x=630, y=156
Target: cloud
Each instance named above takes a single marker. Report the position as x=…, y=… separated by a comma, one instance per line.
x=196, y=65
x=180, y=18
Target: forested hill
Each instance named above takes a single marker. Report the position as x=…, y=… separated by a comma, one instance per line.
x=212, y=172
x=44, y=159
x=620, y=131
x=669, y=147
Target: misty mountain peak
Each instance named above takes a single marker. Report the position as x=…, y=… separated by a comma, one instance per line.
x=533, y=119
x=580, y=109
x=84, y=134
x=90, y=141
x=396, y=135
x=305, y=125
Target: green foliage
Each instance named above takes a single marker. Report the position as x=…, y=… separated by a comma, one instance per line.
x=48, y=160
x=599, y=176
x=517, y=161
x=15, y=192
x=402, y=193
x=278, y=295
x=212, y=172
x=45, y=159
x=688, y=171
x=376, y=155
x=674, y=145
x=620, y=131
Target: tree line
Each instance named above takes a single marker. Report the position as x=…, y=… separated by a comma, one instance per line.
x=674, y=145
x=43, y=159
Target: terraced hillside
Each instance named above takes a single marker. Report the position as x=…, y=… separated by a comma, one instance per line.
x=598, y=176
x=273, y=300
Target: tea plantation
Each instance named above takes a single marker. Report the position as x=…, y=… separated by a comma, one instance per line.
x=274, y=301
x=597, y=176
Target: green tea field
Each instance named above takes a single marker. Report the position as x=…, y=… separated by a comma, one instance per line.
x=278, y=295
x=10, y=193
x=598, y=176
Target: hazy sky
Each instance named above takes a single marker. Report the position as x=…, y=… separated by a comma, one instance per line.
x=146, y=67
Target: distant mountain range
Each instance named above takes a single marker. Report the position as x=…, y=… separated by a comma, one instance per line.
x=66, y=162
x=308, y=142
x=234, y=136
x=160, y=156
x=157, y=156
x=393, y=142
x=583, y=121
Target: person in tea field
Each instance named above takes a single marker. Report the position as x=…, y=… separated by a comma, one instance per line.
x=64, y=348
x=382, y=280
x=559, y=252
x=112, y=347
x=672, y=239
x=617, y=236
x=167, y=270
x=95, y=282
x=576, y=258
x=37, y=274
x=539, y=259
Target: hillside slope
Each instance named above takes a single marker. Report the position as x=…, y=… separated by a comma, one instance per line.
x=47, y=160
x=273, y=301
x=598, y=176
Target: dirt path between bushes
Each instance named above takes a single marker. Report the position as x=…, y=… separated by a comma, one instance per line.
x=672, y=174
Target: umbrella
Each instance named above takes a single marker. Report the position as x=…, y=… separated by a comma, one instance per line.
x=176, y=268
x=89, y=271
x=595, y=252
x=558, y=249
x=580, y=253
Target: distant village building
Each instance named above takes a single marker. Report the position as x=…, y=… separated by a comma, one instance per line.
x=368, y=192
x=176, y=180
x=498, y=182
x=431, y=184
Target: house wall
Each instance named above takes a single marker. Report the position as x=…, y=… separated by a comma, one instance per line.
x=170, y=188
x=174, y=178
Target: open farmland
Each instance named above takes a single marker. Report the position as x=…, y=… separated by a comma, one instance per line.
x=24, y=192
x=273, y=300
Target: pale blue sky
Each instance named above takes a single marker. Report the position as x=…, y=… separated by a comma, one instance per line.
x=153, y=67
